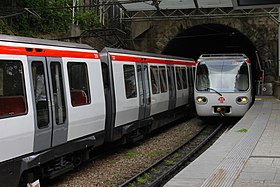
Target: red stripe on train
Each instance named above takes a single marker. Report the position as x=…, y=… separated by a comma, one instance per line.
x=148, y=60
x=47, y=52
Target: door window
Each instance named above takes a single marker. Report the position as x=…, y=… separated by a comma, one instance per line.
x=58, y=93
x=39, y=82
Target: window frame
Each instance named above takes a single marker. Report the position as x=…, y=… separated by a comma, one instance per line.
x=80, y=92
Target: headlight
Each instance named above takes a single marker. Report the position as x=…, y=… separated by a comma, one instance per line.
x=242, y=100
x=201, y=100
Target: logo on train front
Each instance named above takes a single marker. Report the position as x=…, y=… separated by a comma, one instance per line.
x=221, y=99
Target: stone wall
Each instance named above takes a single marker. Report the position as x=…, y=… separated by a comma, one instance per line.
x=262, y=31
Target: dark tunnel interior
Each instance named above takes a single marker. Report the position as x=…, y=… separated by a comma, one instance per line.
x=211, y=38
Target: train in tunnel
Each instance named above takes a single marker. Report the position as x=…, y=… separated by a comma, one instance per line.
x=223, y=85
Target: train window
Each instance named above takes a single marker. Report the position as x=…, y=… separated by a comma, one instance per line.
x=105, y=75
x=79, y=83
x=242, y=78
x=39, y=83
x=130, y=81
x=147, y=84
x=170, y=73
x=154, y=79
x=202, y=77
x=179, y=78
x=230, y=75
x=189, y=77
x=162, y=75
x=12, y=94
x=140, y=82
x=184, y=78
x=58, y=93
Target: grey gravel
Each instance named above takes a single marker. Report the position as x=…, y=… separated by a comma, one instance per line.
x=117, y=168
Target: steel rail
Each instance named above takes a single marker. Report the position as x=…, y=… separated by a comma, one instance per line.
x=163, y=176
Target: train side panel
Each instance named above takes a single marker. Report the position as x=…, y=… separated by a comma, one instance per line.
x=86, y=105
x=127, y=101
x=17, y=117
x=182, y=86
x=160, y=91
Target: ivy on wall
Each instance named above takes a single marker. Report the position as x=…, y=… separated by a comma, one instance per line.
x=48, y=17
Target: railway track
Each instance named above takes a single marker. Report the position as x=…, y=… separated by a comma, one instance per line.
x=163, y=169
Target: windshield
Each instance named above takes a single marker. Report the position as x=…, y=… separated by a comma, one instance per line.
x=227, y=75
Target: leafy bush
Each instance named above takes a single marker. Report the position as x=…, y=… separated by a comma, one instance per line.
x=51, y=16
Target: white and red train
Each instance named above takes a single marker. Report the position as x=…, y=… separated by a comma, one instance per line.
x=59, y=101
x=223, y=85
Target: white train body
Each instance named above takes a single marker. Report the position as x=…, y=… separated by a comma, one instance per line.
x=58, y=101
x=223, y=85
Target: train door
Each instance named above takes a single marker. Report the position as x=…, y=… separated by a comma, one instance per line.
x=58, y=102
x=144, y=91
x=172, y=89
x=50, y=128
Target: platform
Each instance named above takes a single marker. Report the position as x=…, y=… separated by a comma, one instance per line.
x=247, y=155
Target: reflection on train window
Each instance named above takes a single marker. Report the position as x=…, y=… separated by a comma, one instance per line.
x=154, y=79
x=202, y=77
x=39, y=83
x=222, y=75
x=162, y=75
x=179, y=78
x=12, y=94
x=79, y=83
x=184, y=78
x=130, y=81
x=242, y=78
x=58, y=93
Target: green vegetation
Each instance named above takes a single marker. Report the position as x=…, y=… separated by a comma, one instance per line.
x=131, y=185
x=242, y=130
x=44, y=17
x=143, y=179
x=155, y=153
x=153, y=170
x=131, y=154
x=169, y=162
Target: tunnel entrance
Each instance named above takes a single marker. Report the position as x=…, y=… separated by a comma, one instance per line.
x=212, y=38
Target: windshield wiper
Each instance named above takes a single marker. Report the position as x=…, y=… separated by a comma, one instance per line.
x=207, y=89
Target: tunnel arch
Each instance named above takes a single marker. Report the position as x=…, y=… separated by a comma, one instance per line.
x=209, y=38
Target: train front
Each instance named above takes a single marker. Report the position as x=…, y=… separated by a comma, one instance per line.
x=223, y=87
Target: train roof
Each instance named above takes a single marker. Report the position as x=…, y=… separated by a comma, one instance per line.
x=139, y=53
x=37, y=41
x=223, y=56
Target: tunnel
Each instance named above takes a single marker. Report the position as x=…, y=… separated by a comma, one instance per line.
x=212, y=38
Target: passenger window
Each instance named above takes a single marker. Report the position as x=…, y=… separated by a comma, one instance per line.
x=162, y=73
x=79, y=83
x=12, y=94
x=130, y=81
x=179, y=78
x=39, y=83
x=184, y=78
x=154, y=79
x=105, y=75
x=58, y=93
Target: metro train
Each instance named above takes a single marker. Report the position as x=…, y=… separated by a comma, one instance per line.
x=223, y=85
x=59, y=101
